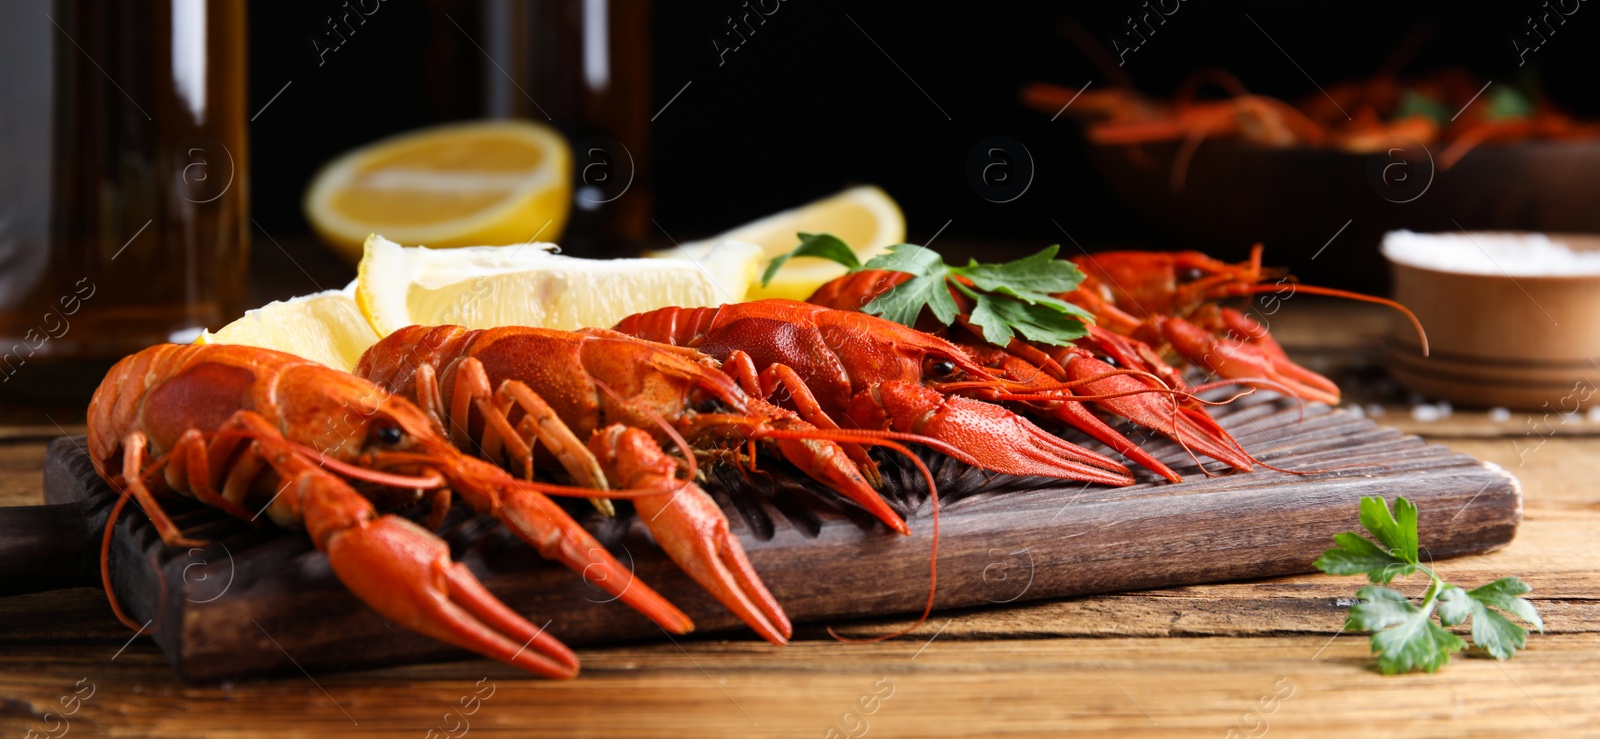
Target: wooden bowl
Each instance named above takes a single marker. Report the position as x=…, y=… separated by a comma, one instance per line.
x=1525, y=342
x=1323, y=212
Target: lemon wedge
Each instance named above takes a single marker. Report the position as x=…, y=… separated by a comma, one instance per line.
x=326, y=327
x=533, y=285
x=865, y=217
x=486, y=182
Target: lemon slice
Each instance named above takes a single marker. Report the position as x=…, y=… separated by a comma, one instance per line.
x=489, y=182
x=532, y=285
x=326, y=327
x=865, y=217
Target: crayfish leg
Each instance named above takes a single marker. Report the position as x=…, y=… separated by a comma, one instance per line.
x=809, y=409
x=135, y=448
x=691, y=528
x=472, y=390
x=397, y=568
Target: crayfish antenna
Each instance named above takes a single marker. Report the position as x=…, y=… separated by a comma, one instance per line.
x=933, y=554
x=1346, y=294
x=105, y=566
x=1216, y=431
x=1253, y=383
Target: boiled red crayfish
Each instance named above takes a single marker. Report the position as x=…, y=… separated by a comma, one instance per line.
x=1169, y=299
x=506, y=391
x=1176, y=295
x=873, y=373
x=1044, y=370
x=253, y=431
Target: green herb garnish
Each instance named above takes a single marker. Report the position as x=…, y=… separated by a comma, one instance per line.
x=1404, y=635
x=1508, y=102
x=1413, y=103
x=1008, y=298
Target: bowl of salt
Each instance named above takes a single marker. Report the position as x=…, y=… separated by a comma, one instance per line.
x=1513, y=319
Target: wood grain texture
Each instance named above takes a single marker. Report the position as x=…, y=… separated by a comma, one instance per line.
x=1041, y=687
x=238, y=607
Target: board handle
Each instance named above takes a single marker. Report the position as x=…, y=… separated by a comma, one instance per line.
x=48, y=547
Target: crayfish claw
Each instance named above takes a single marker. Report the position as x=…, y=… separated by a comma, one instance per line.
x=1191, y=428
x=405, y=574
x=546, y=527
x=690, y=527
x=1246, y=351
x=989, y=436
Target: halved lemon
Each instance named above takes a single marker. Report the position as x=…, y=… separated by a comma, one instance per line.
x=865, y=217
x=487, y=182
x=533, y=285
x=326, y=327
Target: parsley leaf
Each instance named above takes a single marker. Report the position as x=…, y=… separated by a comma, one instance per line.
x=1413, y=103
x=826, y=246
x=1507, y=102
x=1036, y=274
x=1404, y=635
x=1400, y=536
x=1008, y=298
x=1040, y=321
x=1357, y=555
x=1491, y=631
x=905, y=301
x=910, y=258
x=1502, y=594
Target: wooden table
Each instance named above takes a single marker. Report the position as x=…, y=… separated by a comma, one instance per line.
x=1178, y=662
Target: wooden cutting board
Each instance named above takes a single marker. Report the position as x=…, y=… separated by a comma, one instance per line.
x=260, y=600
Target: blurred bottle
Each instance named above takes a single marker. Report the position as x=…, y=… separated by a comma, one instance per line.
x=581, y=65
x=124, y=219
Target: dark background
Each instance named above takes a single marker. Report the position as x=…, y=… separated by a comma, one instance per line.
x=809, y=104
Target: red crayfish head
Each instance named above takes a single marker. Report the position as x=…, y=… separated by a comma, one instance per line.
x=367, y=434
x=1170, y=283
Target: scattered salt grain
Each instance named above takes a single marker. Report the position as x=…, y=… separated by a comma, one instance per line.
x=1357, y=412
x=1375, y=411
x=1594, y=414
x=1444, y=409
x=1526, y=255
x=1501, y=415
x=1426, y=413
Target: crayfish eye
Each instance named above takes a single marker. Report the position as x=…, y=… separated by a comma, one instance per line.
x=387, y=435
x=938, y=368
x=1190, y=274
x=705, y=403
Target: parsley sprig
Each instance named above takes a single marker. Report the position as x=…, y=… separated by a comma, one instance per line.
x=1008, y=298
x=1404, y=634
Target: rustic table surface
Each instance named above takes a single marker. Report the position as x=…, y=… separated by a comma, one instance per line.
x=1247, y=658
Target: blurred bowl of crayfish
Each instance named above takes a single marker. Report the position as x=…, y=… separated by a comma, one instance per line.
x=1513, y=319
x=1322, y=212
